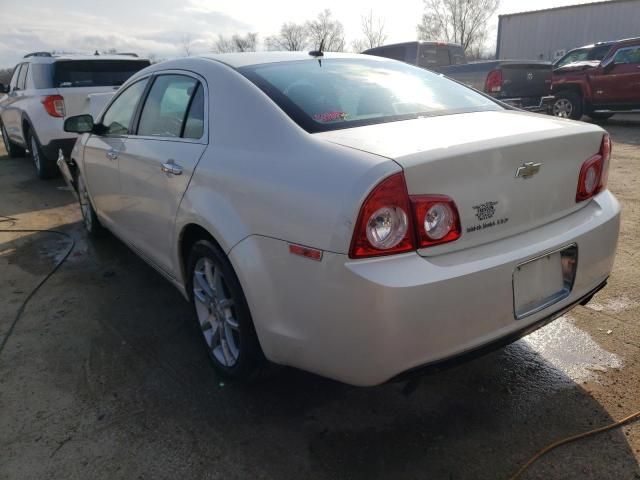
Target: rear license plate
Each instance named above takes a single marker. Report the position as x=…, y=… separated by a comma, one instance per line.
x=540, y=282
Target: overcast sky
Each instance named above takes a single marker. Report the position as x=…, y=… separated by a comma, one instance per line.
x=158, y=26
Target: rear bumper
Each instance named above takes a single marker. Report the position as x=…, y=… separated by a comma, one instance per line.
x=540, y=105
x=364, y=322
x=501, y=342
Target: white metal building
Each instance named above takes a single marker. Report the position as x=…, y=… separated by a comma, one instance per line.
x=549, y=34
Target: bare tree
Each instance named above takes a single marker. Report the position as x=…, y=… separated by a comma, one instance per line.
x=293, y=37
x=5, y=75
x=373, y=31
x=458, y=21
x=237, y=43
x=186, y=43
x=324, y=27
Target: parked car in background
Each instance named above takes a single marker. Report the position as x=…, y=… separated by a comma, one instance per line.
x=44, y=90
x=349, y=215
x=523, y=84
x=596, y=84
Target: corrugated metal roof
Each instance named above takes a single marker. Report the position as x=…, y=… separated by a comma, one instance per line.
x=565, y=7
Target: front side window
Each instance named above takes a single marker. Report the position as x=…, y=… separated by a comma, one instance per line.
x=343, y=93
x=627, y=55
x=165, y=109
x=117, y=119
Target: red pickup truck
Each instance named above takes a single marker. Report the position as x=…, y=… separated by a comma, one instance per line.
x=598, y=80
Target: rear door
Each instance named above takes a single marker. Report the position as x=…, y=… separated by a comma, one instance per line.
x=102, y=154
x=160, y=159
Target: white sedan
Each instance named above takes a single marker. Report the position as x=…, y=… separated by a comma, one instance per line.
x=349, y=215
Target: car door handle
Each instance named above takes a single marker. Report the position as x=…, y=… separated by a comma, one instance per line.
x=172, y=168
x=112, y=155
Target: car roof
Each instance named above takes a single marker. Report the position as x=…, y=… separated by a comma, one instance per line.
x=609, y=43
x=245, y=59
x=415, y=42
x=71, y=57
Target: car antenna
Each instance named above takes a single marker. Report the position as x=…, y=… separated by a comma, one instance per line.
x=318, y=53
x=97, y=53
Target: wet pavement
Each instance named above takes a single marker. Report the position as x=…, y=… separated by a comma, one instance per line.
x=104, y=376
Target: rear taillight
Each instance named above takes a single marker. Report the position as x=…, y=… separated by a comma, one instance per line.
x=54, y=105
x=493, y=83
x=594, y=172
x=436, y=219
x=390, y=221
x=384, y=222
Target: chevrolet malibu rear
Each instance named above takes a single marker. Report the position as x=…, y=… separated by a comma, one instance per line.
x=370, y=218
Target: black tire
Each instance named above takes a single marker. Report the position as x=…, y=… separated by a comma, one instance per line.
x=250, y=358
x=600, y=116
x=45, y=167
x=89, y=218
x=568, y=105
x=13, y=150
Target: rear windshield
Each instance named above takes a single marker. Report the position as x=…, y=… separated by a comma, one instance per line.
x=342, y=93
x=95, y=73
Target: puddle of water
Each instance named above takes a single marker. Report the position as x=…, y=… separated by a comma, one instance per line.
x=571, y=350
x=614, y=305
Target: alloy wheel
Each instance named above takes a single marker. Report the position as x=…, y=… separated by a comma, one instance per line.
x=563, y=108
x=216, y=312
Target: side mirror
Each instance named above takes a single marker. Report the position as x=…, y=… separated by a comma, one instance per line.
x=607, y=67
x=79, y=124
x=4, y=88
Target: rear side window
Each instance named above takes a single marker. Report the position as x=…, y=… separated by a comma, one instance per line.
x=627, y=55
x=457, y=56
x=95, y=73
x=165, y=109
x=22, y=79
x=194, y=127
x=434, y=56
x=117, y=118
x=344, y=93
x=396, y=53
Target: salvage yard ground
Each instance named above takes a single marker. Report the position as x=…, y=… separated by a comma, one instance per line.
x=104, y=376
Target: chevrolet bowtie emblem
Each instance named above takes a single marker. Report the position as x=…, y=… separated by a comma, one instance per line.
x=528, y=169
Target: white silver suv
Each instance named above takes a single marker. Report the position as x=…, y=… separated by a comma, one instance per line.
x=47, y=88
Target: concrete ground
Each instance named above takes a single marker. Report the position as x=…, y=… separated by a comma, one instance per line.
x=104, y=376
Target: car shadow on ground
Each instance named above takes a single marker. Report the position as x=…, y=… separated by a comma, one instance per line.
x=44, y=194
x=106, y=376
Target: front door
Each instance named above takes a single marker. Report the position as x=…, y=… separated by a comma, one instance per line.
x=620, y=82
x=160, y=159
x=103, y=151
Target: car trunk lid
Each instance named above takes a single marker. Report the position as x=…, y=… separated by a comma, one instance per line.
x=474, y=158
